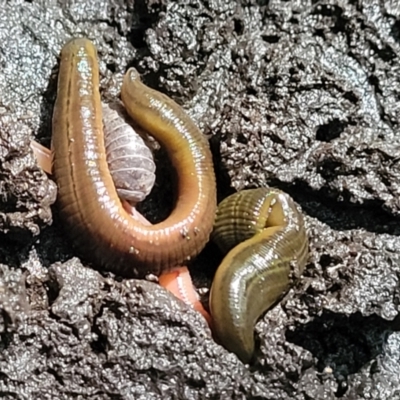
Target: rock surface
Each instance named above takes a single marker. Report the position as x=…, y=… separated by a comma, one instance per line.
x=302, y=95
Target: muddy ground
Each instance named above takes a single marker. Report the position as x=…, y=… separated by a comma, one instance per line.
x=301, y=95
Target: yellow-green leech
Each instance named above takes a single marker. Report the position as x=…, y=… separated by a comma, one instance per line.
x=263, y=230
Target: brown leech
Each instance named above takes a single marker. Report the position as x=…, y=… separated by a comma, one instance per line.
x=178, y=280
x=87, y=198
x=264, y=224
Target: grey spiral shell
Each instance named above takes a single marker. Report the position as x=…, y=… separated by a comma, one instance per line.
x=130, y=161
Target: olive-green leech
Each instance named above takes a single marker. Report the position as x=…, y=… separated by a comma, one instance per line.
x=264, y=233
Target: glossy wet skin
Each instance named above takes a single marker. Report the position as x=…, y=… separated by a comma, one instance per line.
x=88, y=202
x=264, y=233
x=262, y=229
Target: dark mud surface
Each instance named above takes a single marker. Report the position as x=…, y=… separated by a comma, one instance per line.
x=303, y=95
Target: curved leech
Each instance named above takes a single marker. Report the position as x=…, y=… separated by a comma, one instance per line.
x=87, y=199
x=263, y=232
x=138, y=106
x=177, y=281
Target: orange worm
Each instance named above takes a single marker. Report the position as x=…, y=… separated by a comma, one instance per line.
x=179, y=282
x=88, y=202
x=43, y=156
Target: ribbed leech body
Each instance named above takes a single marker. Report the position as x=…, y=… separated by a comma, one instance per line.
x=88, y=200
x=265, y=234
x=188, y=227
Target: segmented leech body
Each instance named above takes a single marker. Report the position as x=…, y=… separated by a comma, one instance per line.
x=263, y=232
x=130, y=161
x=262, y=229
x=87, y=198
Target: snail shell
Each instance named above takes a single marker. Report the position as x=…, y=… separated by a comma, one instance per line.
x=130, y=161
